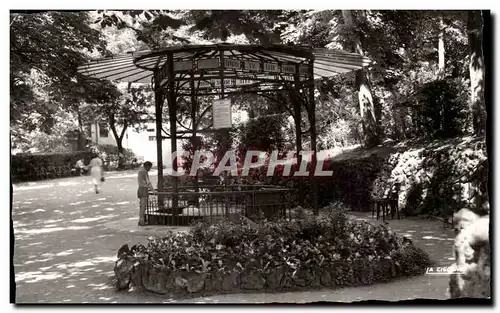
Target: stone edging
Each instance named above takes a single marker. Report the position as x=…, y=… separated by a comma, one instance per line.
x=150, y=277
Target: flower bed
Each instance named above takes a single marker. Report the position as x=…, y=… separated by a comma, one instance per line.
x=229, y=257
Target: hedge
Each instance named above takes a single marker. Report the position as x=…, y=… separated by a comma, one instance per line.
x=351, y=181
x=229, y=257
x=30, y=167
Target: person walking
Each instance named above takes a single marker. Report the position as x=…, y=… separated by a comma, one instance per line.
x=96, y=171
x=142, y=191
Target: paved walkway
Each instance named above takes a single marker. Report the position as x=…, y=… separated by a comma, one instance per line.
x=67, y=238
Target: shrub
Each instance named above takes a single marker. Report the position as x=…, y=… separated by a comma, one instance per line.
x=351, y=181
x=29, y=167
x=110, y=156
x=229, y=256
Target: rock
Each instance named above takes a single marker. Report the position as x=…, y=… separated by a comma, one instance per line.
x=252, y=280
x=180, y=282
x=231, y=280
x=123, y=250
x=274, y=277
x=326, y=277
x=196, y=282
x=303, y=278
x=157, y=281
x=137, y=275
x=389, y=265
x=123, y=272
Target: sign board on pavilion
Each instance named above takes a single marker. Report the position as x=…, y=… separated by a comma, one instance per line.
x=232, y=63
x=183, y=65
x=208, y=63
x=271, y=67
x=252, y=65
x=303, y=70
x=221, y=110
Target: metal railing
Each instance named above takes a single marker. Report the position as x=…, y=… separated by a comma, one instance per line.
x=214, y=202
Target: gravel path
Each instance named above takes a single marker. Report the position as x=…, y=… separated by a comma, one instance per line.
x=66, y=238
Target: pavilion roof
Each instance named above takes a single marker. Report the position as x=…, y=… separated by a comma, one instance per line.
x=264, y=63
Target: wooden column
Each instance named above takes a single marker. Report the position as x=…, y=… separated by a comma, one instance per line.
x=224, y=132
x=311, y=113
x=194, y=141
x=172, y=114
x=297, y=111
x=159, y=148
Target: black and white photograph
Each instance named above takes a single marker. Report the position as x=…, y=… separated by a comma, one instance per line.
x=251, y=156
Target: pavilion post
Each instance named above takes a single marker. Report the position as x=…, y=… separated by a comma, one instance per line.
x=172, y=113
x=224, y=132
x=159, y=148
x=298, y=129
x=311, y=113
x=194, y=142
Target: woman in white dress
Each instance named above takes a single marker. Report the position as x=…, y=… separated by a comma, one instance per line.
x=96, y=171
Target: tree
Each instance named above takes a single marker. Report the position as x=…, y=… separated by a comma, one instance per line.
x=476, y=68
x=45, y=51
x=367, y=102
x=257, y=26
x=128, y=110
x=154, y=28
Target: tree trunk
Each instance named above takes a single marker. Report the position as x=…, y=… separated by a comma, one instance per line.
x=441, y=51
x=80, y=145
x=371, y=136
x=476, y=67
x=118, y=138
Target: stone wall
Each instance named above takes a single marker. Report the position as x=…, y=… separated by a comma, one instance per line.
x=472, y=256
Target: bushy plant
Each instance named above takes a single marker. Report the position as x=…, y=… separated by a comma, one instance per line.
x=110, y=155
x=27, y=167
x=351, y=181
x=333, y=251
x=263, y=134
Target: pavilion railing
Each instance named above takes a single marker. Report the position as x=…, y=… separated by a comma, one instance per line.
x=215, y=202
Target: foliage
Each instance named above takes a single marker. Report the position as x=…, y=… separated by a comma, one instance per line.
x=403, y=47
x=45, y=51
x=351, y=180
x=130, y=109
x=29, y=167
x=339, y=121
x=154, y=28
x=264, y=133
x=442, y=109
x=54, y=139
x=439, y=177
x=110, y=156
x=435, y=178
x=332, y=252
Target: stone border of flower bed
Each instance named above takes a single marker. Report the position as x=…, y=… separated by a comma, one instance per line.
x=142, y=273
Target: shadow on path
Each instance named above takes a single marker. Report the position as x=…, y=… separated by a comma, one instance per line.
x=66, y=239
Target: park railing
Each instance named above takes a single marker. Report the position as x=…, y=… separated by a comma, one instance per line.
x=211, y=203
